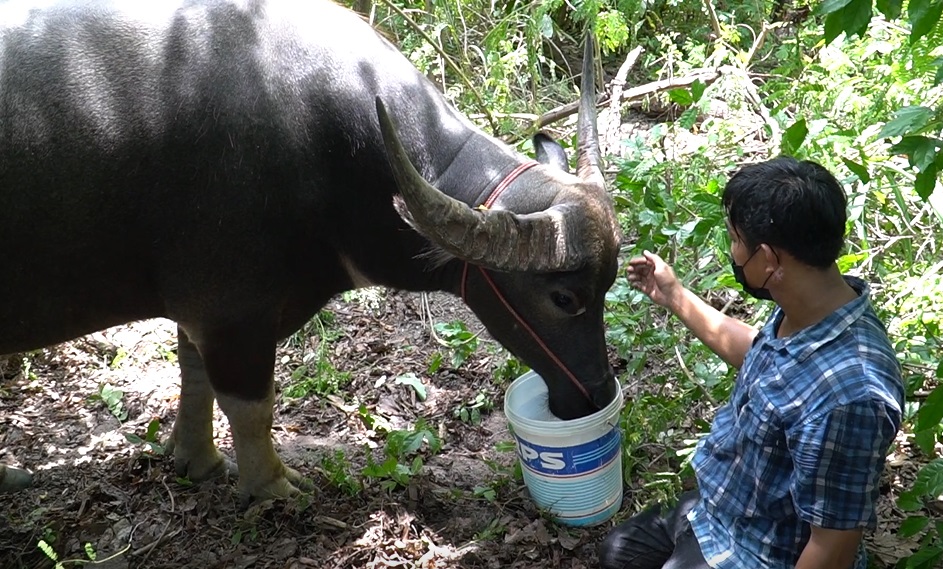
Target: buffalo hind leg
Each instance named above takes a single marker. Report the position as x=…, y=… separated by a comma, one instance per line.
x=195, y=455
x=239, y=363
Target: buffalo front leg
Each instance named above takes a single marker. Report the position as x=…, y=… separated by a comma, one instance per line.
x=262, y=474
x=195, y=455
x=239, y=364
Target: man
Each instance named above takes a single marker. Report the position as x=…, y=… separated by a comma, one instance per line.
x=788, y=475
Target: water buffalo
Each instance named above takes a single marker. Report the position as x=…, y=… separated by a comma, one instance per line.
x=233, y=164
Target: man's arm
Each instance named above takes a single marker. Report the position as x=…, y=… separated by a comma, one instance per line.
x=838, y=459
x=728, y=337
x=830, y=549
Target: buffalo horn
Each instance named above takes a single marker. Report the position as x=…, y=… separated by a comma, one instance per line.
x=588, y=137
x=495, y=239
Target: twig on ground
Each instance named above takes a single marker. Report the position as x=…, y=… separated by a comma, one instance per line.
x=147, y=549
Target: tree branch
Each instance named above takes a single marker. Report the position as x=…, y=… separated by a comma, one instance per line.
x=715, y=23
x=563, y=111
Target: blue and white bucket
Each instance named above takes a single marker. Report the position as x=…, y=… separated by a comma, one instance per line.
x=573, y=469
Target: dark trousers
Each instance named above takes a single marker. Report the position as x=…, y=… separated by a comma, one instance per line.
x=655, y=539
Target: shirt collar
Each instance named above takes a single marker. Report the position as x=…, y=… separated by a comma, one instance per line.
x=803, y=343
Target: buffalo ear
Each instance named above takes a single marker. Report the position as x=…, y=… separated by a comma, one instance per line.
x=550, y=152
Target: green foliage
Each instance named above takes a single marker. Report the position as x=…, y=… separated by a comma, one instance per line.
x=339, y=473
x=402, y=444
x=316, y=375
x=247, y=532
x=486, y=493
x=113, y=398
x=459, y=340
x=495, y=529
x=120, y=357
x=470, y=411
x=927, y=487
x=919, y=126
x=149, y=440
x=402, y=459
x=495, y=49
x=509, y=369
x=923, y=152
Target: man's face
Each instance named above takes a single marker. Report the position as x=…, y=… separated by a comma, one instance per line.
x=749, y=264
x=739, y=253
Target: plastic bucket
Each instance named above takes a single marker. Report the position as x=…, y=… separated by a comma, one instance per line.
x=573, y=469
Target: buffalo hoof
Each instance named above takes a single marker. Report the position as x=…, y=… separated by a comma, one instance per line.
x=290, y=485
x=14, y=479
x=199, y=466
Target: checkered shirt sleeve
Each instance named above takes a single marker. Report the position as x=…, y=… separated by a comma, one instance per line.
x=838, y=459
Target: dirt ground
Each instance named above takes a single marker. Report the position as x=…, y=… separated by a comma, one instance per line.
x=92, y=485
x=465, y=508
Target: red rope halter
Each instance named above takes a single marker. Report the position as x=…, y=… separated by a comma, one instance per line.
x=521, y=168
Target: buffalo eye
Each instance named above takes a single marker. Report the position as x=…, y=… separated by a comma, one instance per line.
x=567, y=302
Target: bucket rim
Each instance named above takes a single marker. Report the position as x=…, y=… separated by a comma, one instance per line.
x=606, y=416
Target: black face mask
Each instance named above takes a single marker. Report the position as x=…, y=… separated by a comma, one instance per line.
x=761, y=293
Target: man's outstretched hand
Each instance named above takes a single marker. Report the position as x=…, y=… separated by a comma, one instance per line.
x=652, y=276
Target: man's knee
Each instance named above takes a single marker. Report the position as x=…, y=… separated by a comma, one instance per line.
x=611, y=553
x=641, y=542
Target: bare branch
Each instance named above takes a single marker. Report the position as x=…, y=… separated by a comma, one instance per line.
x=618, y=85
x=563, y=111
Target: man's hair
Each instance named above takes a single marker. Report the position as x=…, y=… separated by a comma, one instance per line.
x=796, y=206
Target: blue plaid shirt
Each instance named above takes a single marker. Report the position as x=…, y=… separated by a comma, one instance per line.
x=802, y=441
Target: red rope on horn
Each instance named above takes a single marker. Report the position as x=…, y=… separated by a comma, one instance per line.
x=520, y=169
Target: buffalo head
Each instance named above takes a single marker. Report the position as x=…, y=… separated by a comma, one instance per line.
x=537, y=262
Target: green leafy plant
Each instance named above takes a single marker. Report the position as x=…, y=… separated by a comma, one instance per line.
x=149, y=440
x=246, y=533
x=402, y=459
x=339, y=473
x=515, y=469
x=509, y=369
x=316, y=375
x=919, y=129
x=113, y=398
x=470, y=411
x=916, y=129
x=486, y=493
x=460, y=342
x=495, y=529
x=121, y=356
x=927, y=487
